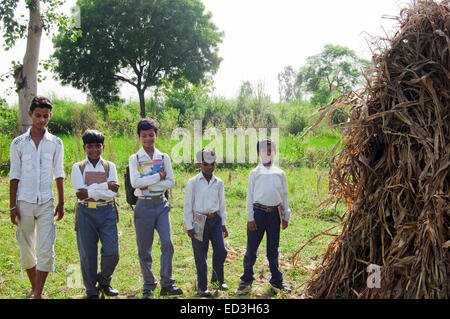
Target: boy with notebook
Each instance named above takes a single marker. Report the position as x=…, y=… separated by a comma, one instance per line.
x=95, y=182
x=204, y=218
x=267, y=209
x=151, y=175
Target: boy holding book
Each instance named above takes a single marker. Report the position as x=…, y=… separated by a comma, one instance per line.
x=267, y=208
x=204, y=217
x=95, y=182
x=151, y=174
x=36, y=156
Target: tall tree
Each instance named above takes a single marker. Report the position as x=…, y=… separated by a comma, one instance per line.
x=15, y=27
x=335, y=68
x=142, y=43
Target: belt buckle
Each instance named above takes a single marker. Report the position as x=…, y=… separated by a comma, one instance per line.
x=92, y=205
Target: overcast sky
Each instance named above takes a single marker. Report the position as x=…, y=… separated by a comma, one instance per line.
x=261, y=38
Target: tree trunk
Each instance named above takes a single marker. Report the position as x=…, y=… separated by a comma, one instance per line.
x=26, y=75
x=141, y=93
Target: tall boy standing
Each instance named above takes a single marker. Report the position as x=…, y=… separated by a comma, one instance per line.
x=95, y=182
x=151, y=174
x=36, y=156
x=267, y=200
x=205, y=197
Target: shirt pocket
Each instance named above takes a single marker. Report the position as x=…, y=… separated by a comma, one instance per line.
x=26, y=163
x=47, y=161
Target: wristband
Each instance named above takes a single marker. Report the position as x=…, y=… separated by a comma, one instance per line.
x=12, y=208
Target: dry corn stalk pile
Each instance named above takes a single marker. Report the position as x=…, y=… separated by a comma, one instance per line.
x=394, y=170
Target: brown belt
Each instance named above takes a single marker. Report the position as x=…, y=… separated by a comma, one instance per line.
x=211, y=215
x=267, y=209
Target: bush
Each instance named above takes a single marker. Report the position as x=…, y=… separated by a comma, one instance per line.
x=9, y=120
x=72, y=118
x=297, y=124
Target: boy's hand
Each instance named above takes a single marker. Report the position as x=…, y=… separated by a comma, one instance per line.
x=15, y=216
x=284, y=224
x=114, y=186
x=162, y=174
x=191, y=233
x=252, y=226
x=59, y=211
x=224, y=231
x=82, y=193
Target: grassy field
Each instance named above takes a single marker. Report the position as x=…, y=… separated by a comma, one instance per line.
x=307, y=188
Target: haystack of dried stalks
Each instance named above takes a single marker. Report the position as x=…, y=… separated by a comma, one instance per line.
x=394, y=169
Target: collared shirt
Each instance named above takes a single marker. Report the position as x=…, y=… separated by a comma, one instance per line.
x=152, y=183
x=35, y=167
x=204, y=198
x=96, y=191
x=267, y=186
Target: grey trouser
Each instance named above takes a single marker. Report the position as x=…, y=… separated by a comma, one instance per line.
x=94, y=224
x=148, y=216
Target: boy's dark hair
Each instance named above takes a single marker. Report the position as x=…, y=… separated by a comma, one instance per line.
x=93, y=136
x=42, y=102
x=264, y=143
x=147, y=124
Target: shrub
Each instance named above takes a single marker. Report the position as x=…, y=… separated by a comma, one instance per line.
x=69, y=117
x=9, y=119
x=297, y=124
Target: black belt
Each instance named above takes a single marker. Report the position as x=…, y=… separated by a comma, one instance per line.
x=267, y=209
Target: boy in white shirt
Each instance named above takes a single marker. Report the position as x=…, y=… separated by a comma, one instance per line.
x=151, y=174
x=36, y=156
x=95, y=182
x=267, y=201
x=205, y=195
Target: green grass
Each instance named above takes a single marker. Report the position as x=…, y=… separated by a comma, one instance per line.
x=306, y=190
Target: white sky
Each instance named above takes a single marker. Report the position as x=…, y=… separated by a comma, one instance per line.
x=261, y=38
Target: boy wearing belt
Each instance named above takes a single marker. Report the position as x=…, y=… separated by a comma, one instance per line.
x=95, y=182
x=204, y=217
x=151, y=174
x=36, y=156
x=267, y=208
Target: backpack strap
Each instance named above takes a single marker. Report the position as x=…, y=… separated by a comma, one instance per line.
x=105, y=164
x=82, y=166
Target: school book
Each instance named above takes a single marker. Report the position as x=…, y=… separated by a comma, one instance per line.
x=95, y=178
x=152, y=167
x=199, y=225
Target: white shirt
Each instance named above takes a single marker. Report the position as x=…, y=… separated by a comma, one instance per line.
x=35, y=167
x=204, y=198
x=152, y=182
x=96, y=191
x=267, y=186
